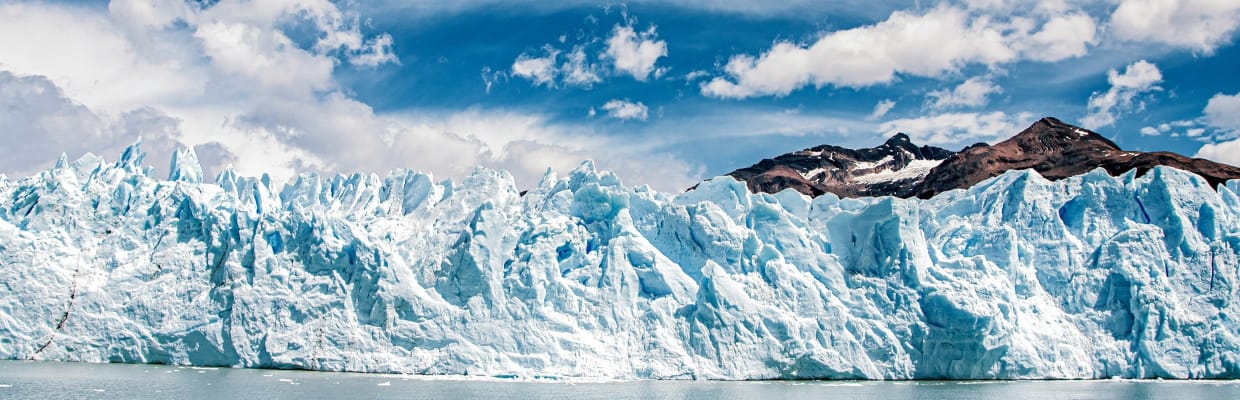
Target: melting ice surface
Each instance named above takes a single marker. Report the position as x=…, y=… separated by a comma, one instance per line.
x=1017, y=277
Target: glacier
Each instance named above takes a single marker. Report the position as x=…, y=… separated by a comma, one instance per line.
x=583, y=277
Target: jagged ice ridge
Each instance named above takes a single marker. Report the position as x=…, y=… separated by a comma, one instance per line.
x=1017, y=277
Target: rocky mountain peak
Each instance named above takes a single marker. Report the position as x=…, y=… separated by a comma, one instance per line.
x=1052, y=134
x=898, y=167
x=847, y=172
x=899, y=138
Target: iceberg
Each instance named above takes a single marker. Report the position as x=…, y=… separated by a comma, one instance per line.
x=1015, y=278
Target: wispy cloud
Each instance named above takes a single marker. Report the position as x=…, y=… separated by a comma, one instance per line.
x=1138, y=78
x=490, y=77
x=974, y=92
x=881, y=109
x=958, y=128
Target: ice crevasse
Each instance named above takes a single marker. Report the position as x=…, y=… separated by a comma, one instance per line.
x=1017, y=277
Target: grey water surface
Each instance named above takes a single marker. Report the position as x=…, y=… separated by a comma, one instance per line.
x=54, y=380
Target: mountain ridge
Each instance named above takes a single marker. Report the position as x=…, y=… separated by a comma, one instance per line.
x=826, y=168
x=1053, y=148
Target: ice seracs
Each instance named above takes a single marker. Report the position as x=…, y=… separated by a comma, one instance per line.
x=1091, y=276
x=185, y=167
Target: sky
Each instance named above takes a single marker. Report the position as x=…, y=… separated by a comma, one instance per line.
x=662, y=93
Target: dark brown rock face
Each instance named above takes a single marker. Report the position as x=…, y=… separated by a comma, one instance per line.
x=1056, y=150
x=845, y=172
x=898, y=168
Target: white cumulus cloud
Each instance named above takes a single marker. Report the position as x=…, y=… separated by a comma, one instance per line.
x=1223, y=112
x=1061, y=37
x=1138, y=78
x=1227, y=152
x=635, y=53
x=555, y=68
x=593, y=59
x=625, y=109
x=540, y=70
x=933, y=43
x=577, y=70
x=1201, y=25
x=258, y=56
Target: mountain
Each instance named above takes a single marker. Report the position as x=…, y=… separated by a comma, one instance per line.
x=878, y=171
x=1054, y=149
x=1091, y=276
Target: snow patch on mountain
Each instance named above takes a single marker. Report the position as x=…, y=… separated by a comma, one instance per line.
x=916, y=169
x=864, y=165
x=1017, y=277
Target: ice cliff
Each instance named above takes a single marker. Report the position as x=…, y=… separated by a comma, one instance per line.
x=1017, y=277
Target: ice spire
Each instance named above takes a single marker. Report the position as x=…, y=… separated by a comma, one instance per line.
x=63, y=161
x=131, y=158
x=227, y=179
x=185, y=167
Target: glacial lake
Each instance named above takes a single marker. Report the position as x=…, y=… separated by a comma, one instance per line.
x=52, y=380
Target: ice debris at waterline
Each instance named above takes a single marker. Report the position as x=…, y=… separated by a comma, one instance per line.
x=1017, y=277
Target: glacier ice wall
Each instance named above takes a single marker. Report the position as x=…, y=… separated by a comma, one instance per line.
x=1017, y=277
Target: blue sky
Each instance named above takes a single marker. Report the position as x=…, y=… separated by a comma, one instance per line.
x=663, y=93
